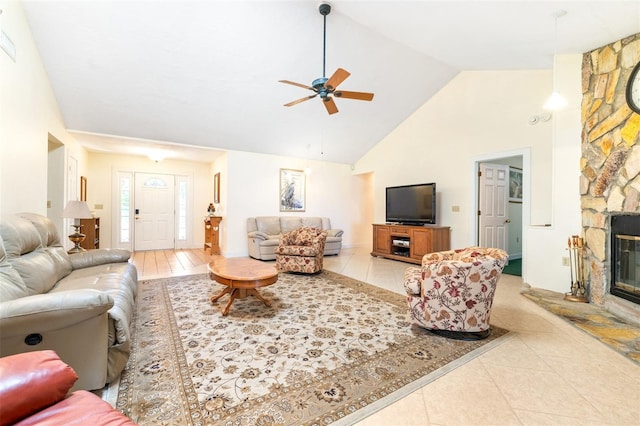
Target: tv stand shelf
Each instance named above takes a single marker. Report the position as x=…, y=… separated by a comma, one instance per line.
x=409, y=243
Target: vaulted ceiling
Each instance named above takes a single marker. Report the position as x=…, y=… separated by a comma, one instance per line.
x=204, y=74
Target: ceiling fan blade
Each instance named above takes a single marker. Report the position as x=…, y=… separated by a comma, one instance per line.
x=330, y=105
x=338, y=77
x=304, y=86
x=361, y=96
x=306, y=98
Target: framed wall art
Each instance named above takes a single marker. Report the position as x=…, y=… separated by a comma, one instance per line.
x=83, y=188
x=216, y=188
x=515, y=185
x=292, y=190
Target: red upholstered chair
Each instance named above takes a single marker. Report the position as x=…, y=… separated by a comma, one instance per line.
x=301, y=250
x=33, y=391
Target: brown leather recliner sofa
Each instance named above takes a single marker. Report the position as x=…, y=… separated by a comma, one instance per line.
x=34, y=390
x=79, y=305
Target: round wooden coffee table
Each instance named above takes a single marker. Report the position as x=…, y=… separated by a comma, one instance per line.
x=242, y=276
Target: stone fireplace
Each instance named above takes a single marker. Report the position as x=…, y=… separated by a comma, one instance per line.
x=610, y=177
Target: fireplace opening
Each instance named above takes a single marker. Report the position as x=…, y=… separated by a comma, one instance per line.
x=625, y=257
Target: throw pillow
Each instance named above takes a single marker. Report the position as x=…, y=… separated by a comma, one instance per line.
x=306, y=235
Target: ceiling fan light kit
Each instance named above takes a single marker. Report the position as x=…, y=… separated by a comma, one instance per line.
x=326, y=87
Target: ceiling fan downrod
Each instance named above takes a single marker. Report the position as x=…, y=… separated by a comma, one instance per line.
x=325, y=87
x=325, y=9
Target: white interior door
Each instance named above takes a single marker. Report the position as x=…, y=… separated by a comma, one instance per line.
x=494, y=217
x=154, y=212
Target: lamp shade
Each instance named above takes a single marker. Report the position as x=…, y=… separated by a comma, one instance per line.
x=76, y=210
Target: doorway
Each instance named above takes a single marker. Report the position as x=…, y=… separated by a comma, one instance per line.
x=517, y=215
x=152, y=211
x=154, y=225
x=493, y=212
x=56, y=183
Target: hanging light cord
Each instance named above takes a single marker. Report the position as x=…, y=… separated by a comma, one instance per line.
x=555, y=51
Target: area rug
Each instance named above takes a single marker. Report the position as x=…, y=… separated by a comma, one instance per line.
x=621, y=336
x=330, y=350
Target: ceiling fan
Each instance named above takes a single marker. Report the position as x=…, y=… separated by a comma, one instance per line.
x=327, y=87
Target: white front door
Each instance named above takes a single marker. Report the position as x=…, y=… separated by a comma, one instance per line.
x=493, y=221
x=154, y=212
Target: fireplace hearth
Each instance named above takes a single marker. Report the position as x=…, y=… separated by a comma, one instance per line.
x=625, y=257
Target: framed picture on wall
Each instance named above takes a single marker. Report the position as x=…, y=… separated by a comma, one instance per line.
x=515, y=185
x=83, y=188
x=216, y=188
x=292, y=190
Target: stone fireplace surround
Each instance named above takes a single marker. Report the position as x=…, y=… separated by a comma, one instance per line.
x=610, y=164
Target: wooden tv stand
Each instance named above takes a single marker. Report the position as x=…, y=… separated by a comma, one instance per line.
x=409, y=243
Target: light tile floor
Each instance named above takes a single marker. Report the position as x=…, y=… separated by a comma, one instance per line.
x=547, y=373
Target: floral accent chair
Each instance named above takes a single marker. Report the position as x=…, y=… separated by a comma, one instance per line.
x=301, y=250
x=452, y=293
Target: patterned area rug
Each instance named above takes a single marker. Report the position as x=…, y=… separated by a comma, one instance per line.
x=621, y=336
x=330, y=349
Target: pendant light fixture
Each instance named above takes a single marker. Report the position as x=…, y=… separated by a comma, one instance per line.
x=556, y=101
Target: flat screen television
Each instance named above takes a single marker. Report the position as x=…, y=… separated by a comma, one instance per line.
x=411, y=204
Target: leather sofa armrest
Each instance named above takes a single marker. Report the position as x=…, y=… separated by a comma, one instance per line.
x=334, y=232
x=259, y=235
x=32, y=381
x=89, y=258
x=79, y=408
x=51, y=311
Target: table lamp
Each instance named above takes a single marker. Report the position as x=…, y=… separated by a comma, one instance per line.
x=76, y=210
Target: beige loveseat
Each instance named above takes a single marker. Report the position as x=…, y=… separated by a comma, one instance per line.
x=264, y=234
x=78, y=305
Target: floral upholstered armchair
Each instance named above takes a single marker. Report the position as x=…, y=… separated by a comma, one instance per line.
x=301, y=250
x=452, y=293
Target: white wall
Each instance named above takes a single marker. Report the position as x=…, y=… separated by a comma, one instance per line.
x=221, y=166
x=546, y=245
x=249, y=182
x=100, y=190
x=29, y=114
x=249, y=186
x=477, y=114
x=480, y=113
x=253, y=190
x=55, y=191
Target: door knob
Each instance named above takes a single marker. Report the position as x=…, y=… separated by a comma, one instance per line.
x=507, y=221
